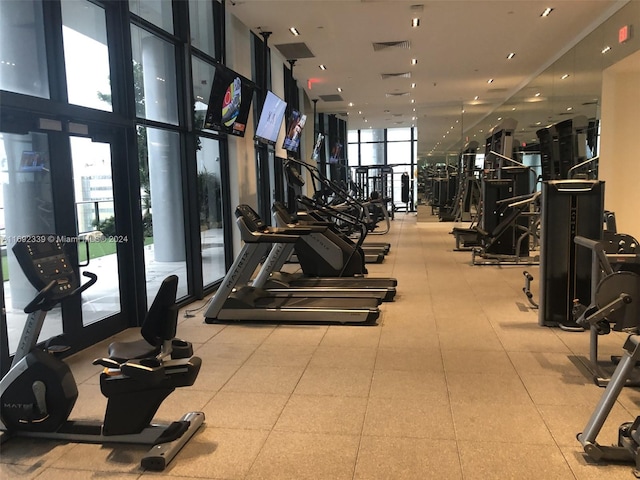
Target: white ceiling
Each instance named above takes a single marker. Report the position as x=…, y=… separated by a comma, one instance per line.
x=459, y=46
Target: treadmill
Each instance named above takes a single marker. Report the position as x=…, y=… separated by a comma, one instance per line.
x=235, y=300
x=327, y=260
x=373, y=253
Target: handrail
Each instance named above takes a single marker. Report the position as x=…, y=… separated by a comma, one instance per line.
x=491, y=152
x=582, y=164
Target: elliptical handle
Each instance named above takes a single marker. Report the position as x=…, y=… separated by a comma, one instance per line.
x=40, y=302
x=93, y=278
x=44, y=301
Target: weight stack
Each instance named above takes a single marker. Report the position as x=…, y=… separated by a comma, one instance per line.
x=569, y=208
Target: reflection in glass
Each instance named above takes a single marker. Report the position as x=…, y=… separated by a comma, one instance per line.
x=158, y=12
x=23, y=66
x=154, y=76
x=26, y=208
x=372, y=153
x=202, y=26
x=352, y=154
x=86, y=55
x=161, y=203
x=203, y=73
x=372, y=135
x=394, y=134
x=210, y=201
x=93, y=190
x=398, y=152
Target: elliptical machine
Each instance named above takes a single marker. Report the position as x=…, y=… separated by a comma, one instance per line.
x=39, y=392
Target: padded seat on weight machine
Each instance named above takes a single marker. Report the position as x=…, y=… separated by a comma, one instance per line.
x=159, y=325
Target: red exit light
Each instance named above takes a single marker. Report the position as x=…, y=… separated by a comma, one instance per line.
x=624, y=33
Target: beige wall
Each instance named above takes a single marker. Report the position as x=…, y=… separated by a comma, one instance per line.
x=620, y=142
x=242, y=158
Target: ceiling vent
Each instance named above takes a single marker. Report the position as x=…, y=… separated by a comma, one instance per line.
x=396, y=94
x=294, y=51
x=397, y=114
x=385, y=76
x=331, y=98
x=404, y=44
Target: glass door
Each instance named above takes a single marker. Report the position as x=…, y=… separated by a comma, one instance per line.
x=26, y=208
x=55, y=183
x=96, y=232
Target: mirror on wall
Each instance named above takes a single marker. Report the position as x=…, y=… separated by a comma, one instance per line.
x=569, y=88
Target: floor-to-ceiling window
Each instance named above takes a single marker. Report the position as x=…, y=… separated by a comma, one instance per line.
x=102, y=102
x=384, y=158
x=210, y=167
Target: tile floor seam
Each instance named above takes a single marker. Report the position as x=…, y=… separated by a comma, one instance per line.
x=366, y=409
x=272, y=429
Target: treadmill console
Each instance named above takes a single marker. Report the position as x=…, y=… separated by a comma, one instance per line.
x=251, y=219
x=44, y=259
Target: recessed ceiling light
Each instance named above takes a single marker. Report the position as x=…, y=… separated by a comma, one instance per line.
x=490, y=80
x=359, y=112
x=322, y=67
x=566, y=75
x=413, y=85
x=339, y=89
x=294, y=31
x=413, y=101
x=414, y=61
x=476, y=97
x=415, y=22
x=569, y=109
x=546, y=12
x=510, y=56
x=351, y=104
x=606, y=49
x=537, y=94
x=513, y=109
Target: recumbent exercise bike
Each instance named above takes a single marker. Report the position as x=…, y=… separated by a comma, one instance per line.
x=39, y=392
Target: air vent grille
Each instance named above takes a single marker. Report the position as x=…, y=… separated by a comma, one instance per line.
x=331, y=98
x=396, y=94
x=385, y=76
x=295, y=51
x=404, y=44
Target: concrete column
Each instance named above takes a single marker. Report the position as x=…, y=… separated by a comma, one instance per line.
x=165, y=176
x=28, y=206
